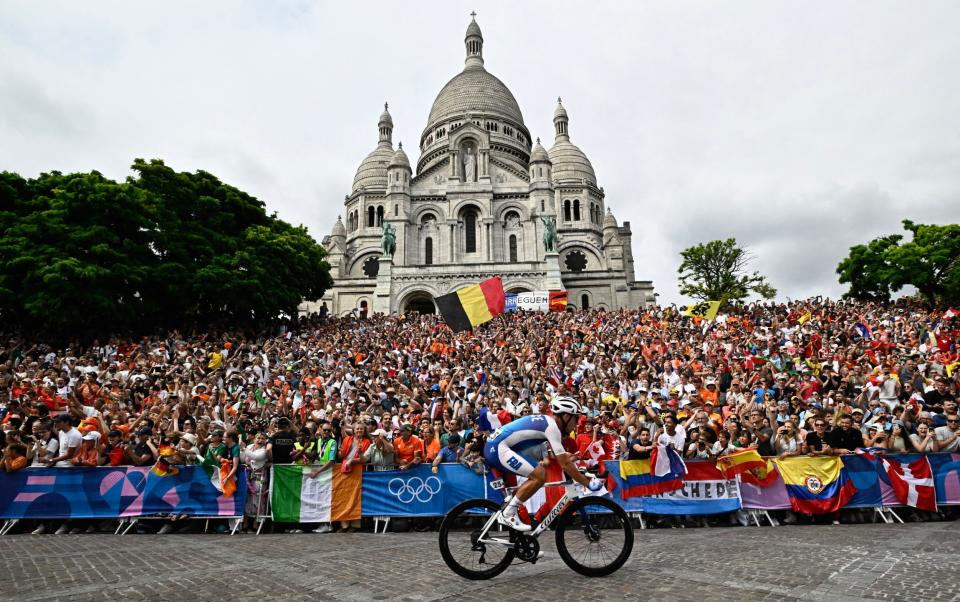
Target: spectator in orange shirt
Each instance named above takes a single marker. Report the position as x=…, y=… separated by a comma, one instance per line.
x=89, y=452
x=14, y=457
x=431, y=444
x=709, y=392
x=409, y=449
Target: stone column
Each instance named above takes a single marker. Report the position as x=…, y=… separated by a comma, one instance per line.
x=383, y=292
x=552, y=280
x=455, y=164
x=489, y=243
x=453, y=242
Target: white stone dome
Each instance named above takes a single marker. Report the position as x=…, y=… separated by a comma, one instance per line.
x=474, y=90
x=609, y=221
x=399, y=158
x=569, y=162
x=539, y=154
x=372, y=172
x=338, y=229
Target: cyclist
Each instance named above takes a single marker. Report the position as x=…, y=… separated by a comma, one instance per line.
x=519, y=446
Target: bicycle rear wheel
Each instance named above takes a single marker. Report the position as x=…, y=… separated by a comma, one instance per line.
x=459, y=545
x=594, y=536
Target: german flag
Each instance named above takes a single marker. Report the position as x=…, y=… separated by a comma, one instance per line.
x=473, y=305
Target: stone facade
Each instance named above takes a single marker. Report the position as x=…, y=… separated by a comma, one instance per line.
x=476, y=208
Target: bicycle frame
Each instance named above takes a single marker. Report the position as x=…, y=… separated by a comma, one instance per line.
x=571, y=493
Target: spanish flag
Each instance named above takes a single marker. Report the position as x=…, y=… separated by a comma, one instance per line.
x=740, y=462
x=558, y=300
x=817, y=485
x=473, y=305
x=750, y=465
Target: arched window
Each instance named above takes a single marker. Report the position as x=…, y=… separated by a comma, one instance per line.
x=470, y=231
x=363, y=309
x=576, y=210
x=428, y=251
x=585, y=301
x=371, y=216
x=396, y=210
x=543, y=205
x=513, y=248
x=380, y=215
x=566, y=210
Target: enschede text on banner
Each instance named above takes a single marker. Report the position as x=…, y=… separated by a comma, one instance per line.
x=703, y=490
x=419, y=492
x=303, y=494
x=115, y=492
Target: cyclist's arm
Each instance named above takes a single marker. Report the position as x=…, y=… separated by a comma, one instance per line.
x=555, y=442
x=566, y=462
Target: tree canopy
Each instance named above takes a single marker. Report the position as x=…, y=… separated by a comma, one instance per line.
x=81, y=254
x=928, y=262
x=717, y=271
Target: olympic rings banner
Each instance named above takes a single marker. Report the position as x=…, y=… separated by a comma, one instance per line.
x=419, y=492
x=120, y=492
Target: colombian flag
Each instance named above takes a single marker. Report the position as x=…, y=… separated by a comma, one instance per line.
x=817, y=485
x=640, y=478
x=473, y=305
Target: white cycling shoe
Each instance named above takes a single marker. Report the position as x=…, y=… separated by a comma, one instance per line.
x=513, y=521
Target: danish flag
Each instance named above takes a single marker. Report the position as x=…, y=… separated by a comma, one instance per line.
x=912, y=483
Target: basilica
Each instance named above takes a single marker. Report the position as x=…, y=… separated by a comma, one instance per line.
x=484, y=199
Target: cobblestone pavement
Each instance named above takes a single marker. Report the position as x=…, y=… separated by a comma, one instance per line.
x=914, y=561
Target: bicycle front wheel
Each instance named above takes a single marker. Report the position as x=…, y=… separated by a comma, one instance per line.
x=594, y=536
x=460, y=544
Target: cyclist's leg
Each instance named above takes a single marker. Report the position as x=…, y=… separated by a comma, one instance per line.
x=524, y=462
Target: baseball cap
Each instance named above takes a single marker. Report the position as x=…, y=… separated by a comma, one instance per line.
x=379, y=432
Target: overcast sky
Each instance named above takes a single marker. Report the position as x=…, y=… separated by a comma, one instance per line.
x=800, y=128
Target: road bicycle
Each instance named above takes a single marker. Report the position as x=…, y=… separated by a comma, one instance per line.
x=594, y=535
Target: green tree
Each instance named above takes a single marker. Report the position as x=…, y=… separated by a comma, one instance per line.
x=717, y=271
x=928, y=262
x=83, y=255
x=868, y=270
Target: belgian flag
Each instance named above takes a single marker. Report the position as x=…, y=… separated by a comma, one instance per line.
x=473, y=305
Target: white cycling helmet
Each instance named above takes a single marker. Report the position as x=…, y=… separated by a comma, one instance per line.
x=562, y=404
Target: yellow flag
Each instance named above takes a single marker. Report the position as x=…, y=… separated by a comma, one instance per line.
x=804, y=317
x=705, y=309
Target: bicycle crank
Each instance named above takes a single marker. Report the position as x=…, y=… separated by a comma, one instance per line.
x=526, y=548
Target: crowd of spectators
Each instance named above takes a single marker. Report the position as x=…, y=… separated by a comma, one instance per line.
x=809, y=377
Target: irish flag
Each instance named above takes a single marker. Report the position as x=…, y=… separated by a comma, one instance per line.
x=297, y=497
